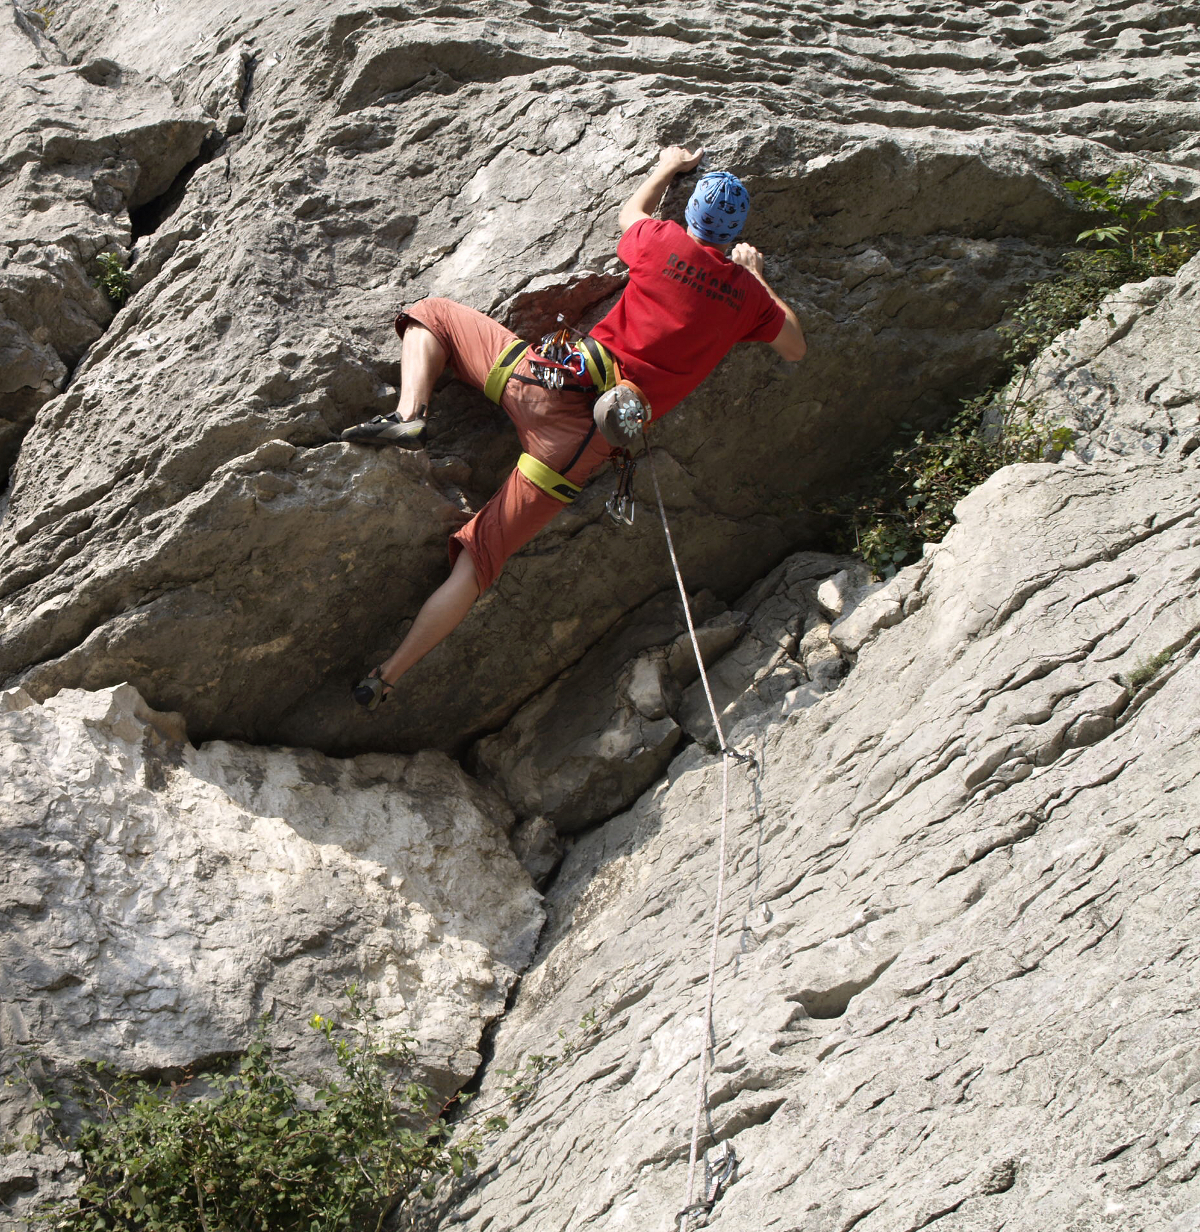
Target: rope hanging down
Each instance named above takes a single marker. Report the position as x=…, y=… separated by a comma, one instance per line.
x=691, y=1208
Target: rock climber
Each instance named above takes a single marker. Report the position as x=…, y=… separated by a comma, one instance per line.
x=691, y=295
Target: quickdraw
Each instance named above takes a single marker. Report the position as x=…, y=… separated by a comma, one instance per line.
x=551, y=361
x=620, y=505
x=720, y=1171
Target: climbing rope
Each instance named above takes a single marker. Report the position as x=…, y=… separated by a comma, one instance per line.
x=691, y=1207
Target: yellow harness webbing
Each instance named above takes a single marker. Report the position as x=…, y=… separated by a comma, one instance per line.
x=502, y=369
x=550, y=481
x=601, y=366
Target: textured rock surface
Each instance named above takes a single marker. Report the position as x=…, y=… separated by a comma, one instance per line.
x=903, y=166
x=155, y=899
x=958, y=969
x=957, y=972
x=84, y=143
x=1127, y=381
x=588, y=745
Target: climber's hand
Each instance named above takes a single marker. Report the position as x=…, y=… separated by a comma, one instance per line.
x=675, y=158
x=749, y=256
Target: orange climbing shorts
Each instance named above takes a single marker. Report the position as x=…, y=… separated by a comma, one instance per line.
x=556, y=427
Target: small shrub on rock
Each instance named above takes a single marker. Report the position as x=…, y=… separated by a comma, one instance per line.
x=1127, y=246
x=113, y=279
x=910, y=500
x=255, y=1156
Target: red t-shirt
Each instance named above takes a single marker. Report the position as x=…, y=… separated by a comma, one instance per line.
x=684, y=307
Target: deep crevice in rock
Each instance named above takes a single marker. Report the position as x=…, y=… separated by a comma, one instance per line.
x=146, y=219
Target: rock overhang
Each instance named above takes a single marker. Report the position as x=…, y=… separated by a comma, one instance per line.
x=261, y=314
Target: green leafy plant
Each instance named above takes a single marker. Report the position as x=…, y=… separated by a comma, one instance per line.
x=1145, y=672
x=1127, y=246
x=114, y=278
x=1129, y=230
x=913, y=500
x=910, y=499
x=256, y=1156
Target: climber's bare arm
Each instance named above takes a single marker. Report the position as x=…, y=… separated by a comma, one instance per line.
x=790, y=341
x=645, y=198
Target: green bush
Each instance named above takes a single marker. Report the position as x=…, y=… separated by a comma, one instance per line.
x=257, y=1157
x=1128, y=248
x=914, y=502
x=910, y=499
x=113, y=279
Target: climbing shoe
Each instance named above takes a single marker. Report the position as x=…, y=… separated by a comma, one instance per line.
x=388, y=430
x=372, y=690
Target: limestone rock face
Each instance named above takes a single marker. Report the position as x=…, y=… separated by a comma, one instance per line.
x=185, y=488
x=84, y=144
x=1127, y=381
x=957, y=962
x=156, y=898
x=590, y=744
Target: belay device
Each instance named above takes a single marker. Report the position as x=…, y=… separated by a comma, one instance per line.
x=621, y=414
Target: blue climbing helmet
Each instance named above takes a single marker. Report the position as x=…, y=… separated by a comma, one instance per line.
x=718, y=208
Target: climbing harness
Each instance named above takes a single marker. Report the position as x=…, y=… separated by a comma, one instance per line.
x=550, y=481
x=502, y=369
x=566, y=353
x=600, y=363
x=560, y=354
x=690, y=1207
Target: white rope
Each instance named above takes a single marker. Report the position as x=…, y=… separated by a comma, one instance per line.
x=685, y=1216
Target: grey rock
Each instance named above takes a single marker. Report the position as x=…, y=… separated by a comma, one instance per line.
x=958, y=902
x=1126, y=382
x=536, y=844
x=957, y=969
x=821, y=658
x=157, y=898
x=836, y=595
x=591, y=743
x=83, y=145
x=875, y=607
x=768, y=662
x=905, y=184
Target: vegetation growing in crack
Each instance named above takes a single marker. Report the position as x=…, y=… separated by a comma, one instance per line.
x=910, y=499
x=45, y=12
x=521, y=1084
x=113, y=279
x=1145, y=672
x=257, y=1155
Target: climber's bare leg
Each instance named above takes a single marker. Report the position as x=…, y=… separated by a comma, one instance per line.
x=422, y=360
x=441, y=614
